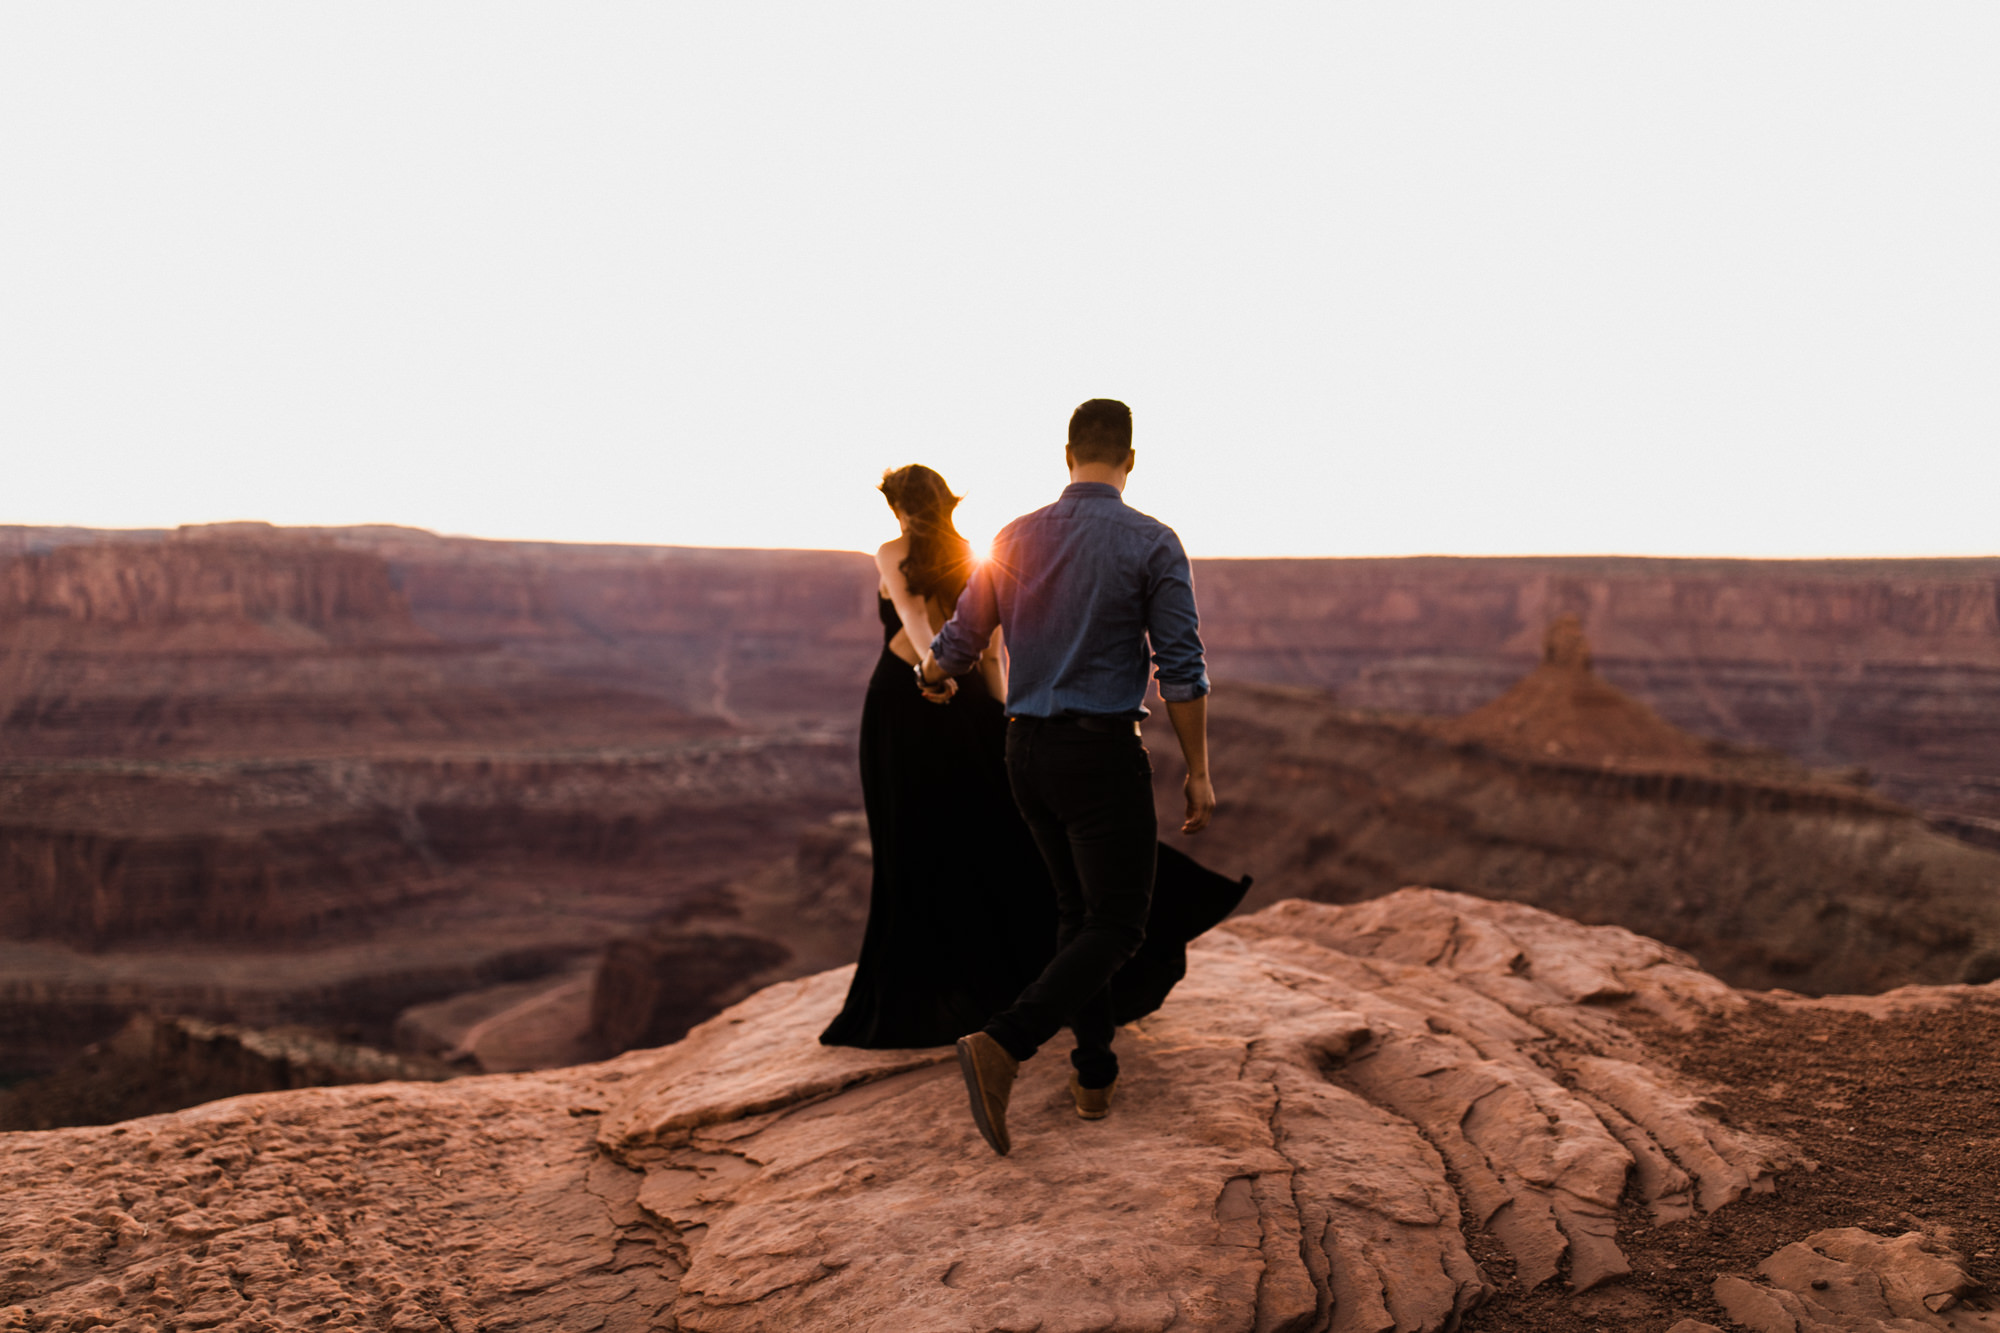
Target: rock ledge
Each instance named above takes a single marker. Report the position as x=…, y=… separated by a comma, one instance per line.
x=1304, y=1136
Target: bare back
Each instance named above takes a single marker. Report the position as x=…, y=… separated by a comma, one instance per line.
x=923, y=617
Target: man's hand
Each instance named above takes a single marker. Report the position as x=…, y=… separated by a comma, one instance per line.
x=939, y=690
x=1190, y=719
x=1200, y=802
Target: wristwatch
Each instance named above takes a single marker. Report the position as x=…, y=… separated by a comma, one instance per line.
x=923, y=686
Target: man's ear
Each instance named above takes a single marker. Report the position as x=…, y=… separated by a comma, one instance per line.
x=1131, y=460
x=1069, y=458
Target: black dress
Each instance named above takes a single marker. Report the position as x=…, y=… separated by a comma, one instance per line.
x=961, y=914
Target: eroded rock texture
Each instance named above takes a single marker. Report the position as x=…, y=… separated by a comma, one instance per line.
x=398, y=1206
x=1305, y=1137
x=1303, y=1134
x=1847, y=1280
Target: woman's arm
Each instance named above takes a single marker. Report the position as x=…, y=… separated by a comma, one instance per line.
x=993, y=666
x=910, y=608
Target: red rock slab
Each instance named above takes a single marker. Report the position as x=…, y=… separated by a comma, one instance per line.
x=1298, y=1136
x=1306, y=1136
x=1848, y=1280
x=396, y=1206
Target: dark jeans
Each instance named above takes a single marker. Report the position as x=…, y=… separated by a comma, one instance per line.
x=1087, y=797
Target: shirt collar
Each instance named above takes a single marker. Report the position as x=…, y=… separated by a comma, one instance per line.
x=1077, y=490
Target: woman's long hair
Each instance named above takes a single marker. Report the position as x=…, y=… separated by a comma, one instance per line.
x=940, y=560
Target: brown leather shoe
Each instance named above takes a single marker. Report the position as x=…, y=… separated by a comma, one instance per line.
x=989, y=1079
x=1092, y=1103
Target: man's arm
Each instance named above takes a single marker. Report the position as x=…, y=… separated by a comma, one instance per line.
x=1171, y=624
x=965, y=636
x=1190, y=719
x=1182, y=671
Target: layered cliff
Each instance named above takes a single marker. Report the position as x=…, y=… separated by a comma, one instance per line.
x=264, y=644
x=758, y=636
x=274, y=591
x=1570, y=795
x=164, y=1062
x=340, y=892
x=238, y=748
x=1423, y=1113
x=1889, y=664
x=1815, y=612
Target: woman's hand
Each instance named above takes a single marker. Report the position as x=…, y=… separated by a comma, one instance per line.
x=938, y=691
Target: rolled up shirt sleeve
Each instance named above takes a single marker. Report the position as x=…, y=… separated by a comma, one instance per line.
x=1172, y=625
x=964, y=637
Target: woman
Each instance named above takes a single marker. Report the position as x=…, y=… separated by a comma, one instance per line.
x=953, y=861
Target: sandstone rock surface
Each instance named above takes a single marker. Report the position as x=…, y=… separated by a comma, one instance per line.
x=1847, y=1280
x=1310, y=1134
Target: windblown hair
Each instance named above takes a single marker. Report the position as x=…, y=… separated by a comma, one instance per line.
x=940, y=560
x=1100, y=431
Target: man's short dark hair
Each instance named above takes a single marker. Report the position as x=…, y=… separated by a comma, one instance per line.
x=1100, y=431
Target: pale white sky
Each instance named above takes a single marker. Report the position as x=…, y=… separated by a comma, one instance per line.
x=1667, y=278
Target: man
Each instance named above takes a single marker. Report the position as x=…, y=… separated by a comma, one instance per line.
x=1078, y=589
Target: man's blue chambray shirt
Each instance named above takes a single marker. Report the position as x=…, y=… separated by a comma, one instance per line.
x=1079, y=588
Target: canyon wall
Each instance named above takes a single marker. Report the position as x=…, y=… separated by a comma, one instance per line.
x=92, y=854
x=340, y=891
x=1893, y=665
x=159, y=1063
x=278, y=589
x=1769, y=874
x=204, y=645
x=240, y=748
x=763, y=637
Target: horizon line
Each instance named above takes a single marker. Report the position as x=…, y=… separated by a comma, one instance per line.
x=839, y=550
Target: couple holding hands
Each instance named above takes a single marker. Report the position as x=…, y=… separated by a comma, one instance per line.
x=1019, y=882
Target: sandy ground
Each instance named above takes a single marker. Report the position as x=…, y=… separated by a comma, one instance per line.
x=1901, y=1116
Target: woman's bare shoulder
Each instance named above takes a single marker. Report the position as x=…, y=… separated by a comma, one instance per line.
x=889, y=564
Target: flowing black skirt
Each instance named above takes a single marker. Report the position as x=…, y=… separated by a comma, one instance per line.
x=962, y=915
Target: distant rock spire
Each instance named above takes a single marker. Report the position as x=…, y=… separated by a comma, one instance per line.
x=1564, y=644
x=1565, y=711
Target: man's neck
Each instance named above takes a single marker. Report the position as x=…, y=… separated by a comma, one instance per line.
x=1111, y=474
